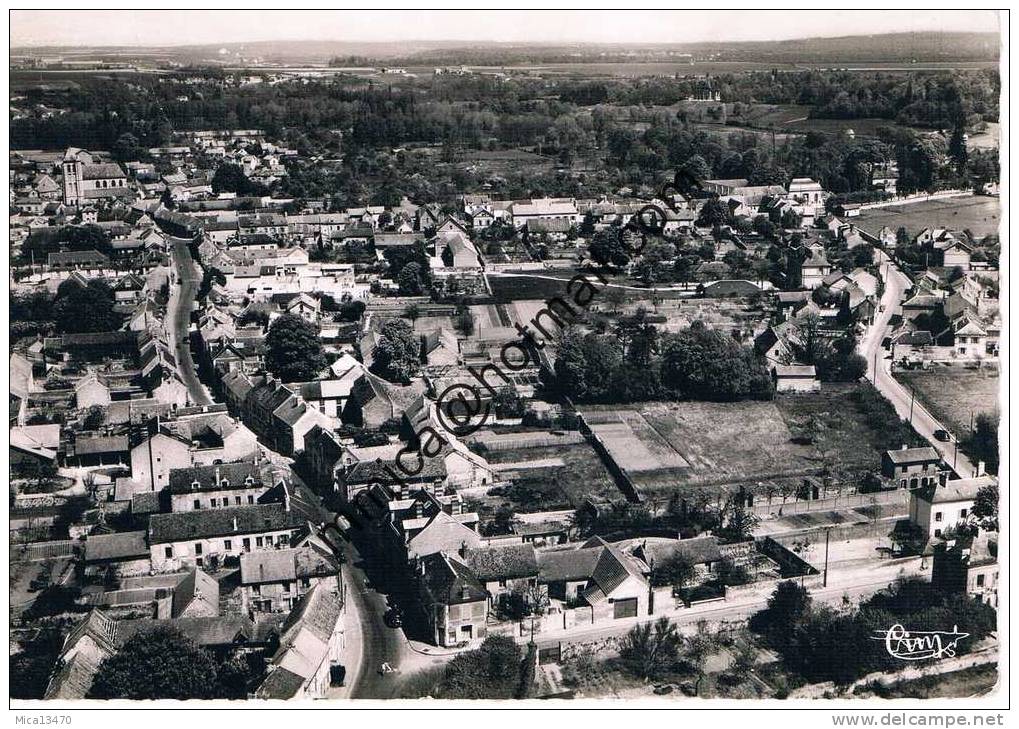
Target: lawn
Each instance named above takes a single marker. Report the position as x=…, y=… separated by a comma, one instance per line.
x=665, y=445
x=981, y=215
x=951, y=394
x=546, y=489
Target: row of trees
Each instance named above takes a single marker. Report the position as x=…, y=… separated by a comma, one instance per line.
x=637, y=363
x=824, y=643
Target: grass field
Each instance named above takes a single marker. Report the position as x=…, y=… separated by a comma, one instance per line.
x=665, y=445
x=952, y=393
x=982, y=215
x=544, y=489
x=969, y=682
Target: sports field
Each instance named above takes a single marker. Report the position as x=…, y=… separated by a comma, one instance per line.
x=981, y=215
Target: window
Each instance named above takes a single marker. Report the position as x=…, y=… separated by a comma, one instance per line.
x=980, y=580
x=256, y=589
x=962, y=513
x=246, y=543
x=198, y=547
x=268, y=540
x=937, y=516
x=502, y=583
x=305, y=582
x=237, y=500
x=258, y=541
x=168, y=552
x=251, y=499
x=198, y=561
x=198, y=504
x=228, y=545
x=287, y=585
x=937, y=532
x=213, y=503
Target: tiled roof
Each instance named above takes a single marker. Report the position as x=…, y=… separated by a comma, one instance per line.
x=211, y=478
x=913, y=455
x=499, y=563
x=196, y=585
x=123, y=545
x=185, y=525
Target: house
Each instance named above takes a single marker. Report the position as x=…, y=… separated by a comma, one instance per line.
x=544, y=209
x=91, y=642
x=968, y=565
x=441, y=532
x=90, y=449
x=206, y=536
x=154, y=458
x=701, y=553
x=310, y=643
x=273, y=582
x=38, y=443
x=195, y=596
x=505, y=570
x=91, y=390
x=936, y=507
x=814, y=268
x=455, y=603
x=597, y=574
x=795, y=378
x=122, y=553
x=215, y=486
x=912, y=467
x=374, y=402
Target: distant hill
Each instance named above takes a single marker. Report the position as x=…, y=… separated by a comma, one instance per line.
x=884, y=48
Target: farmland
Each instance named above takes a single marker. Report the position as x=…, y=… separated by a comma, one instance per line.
x=951, y=394
x=547, y=486
x=665, y=445
x=982, y=215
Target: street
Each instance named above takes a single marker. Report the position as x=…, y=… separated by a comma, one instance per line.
x=182, y=300
x=878, y=371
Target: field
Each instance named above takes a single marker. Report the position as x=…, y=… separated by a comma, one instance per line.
x=969, y=682
x=982, y=215
x=545, y=488
x=952, y=394
x=665, y=445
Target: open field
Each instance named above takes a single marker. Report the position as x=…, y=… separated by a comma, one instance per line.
x=952, y=393
x=545, y=488
x=666, y=445
x=969, y=682
x=982, y=215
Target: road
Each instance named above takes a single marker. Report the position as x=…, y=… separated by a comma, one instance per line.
x=182, y=300
x=379, y=643
x=878, y=371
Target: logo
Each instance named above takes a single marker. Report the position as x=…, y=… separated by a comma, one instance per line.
x=919, y=645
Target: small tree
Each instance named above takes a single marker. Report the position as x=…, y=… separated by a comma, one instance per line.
x=94, y=417
x=675, y=571
x=397, y=354
x=649, y=648
x=409, y=279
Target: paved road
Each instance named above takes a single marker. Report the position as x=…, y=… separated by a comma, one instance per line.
x=870, y=347
x=181, y=303
x=379, y=643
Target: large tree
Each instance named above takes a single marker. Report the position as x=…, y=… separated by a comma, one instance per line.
x=704, y=364
x=86, y=308
x=293, y=349
x=397, y=353
x=157, y=664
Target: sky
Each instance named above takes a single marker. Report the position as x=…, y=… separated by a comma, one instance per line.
x=186, y=27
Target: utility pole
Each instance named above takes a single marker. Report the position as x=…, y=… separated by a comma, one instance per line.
x=827, y=534
x=955, y=458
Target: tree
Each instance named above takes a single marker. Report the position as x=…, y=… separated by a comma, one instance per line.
x=739, y=523
x=156, y=664
x=352, y=310
x=585, y=365
x=230, y=177
x=703, y=364
x=649, y=648
x=94, y=417
x=490, y=672
x=983, y=444
x=675, y=571
x=397, y=353
x=86, y=309
x=714, y=212
x=210, y=276
x=409, y=279
x=293, y=349
x=786, y=609
x=985, y=506
x=608, y=249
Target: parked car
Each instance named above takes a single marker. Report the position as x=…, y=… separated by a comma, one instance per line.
x=393, y=618
x=942, y=435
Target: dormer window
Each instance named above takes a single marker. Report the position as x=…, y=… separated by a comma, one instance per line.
x=225, y=483
x=195, y=485
x=249, y=481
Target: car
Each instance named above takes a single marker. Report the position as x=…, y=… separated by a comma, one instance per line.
x=393, y=618
x=942, y=435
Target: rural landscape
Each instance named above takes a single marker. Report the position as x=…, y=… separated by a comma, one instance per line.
x=432, y=368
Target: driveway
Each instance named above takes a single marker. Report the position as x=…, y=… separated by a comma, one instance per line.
x=878, y=371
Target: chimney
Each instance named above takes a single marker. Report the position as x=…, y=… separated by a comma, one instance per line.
x=235, y=523
x=465, y=592
x=218, y=481
x=943, y=478
x=905, y=447
x=286, y=498
x=463, y=549
x=980, y=468
x=421, y=567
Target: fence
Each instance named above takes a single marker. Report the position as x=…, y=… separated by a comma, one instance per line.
x=38, y=551
x=514, y=441
x=799, y=506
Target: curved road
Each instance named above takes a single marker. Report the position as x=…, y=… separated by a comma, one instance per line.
x=179, y=314
x=878, y=371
